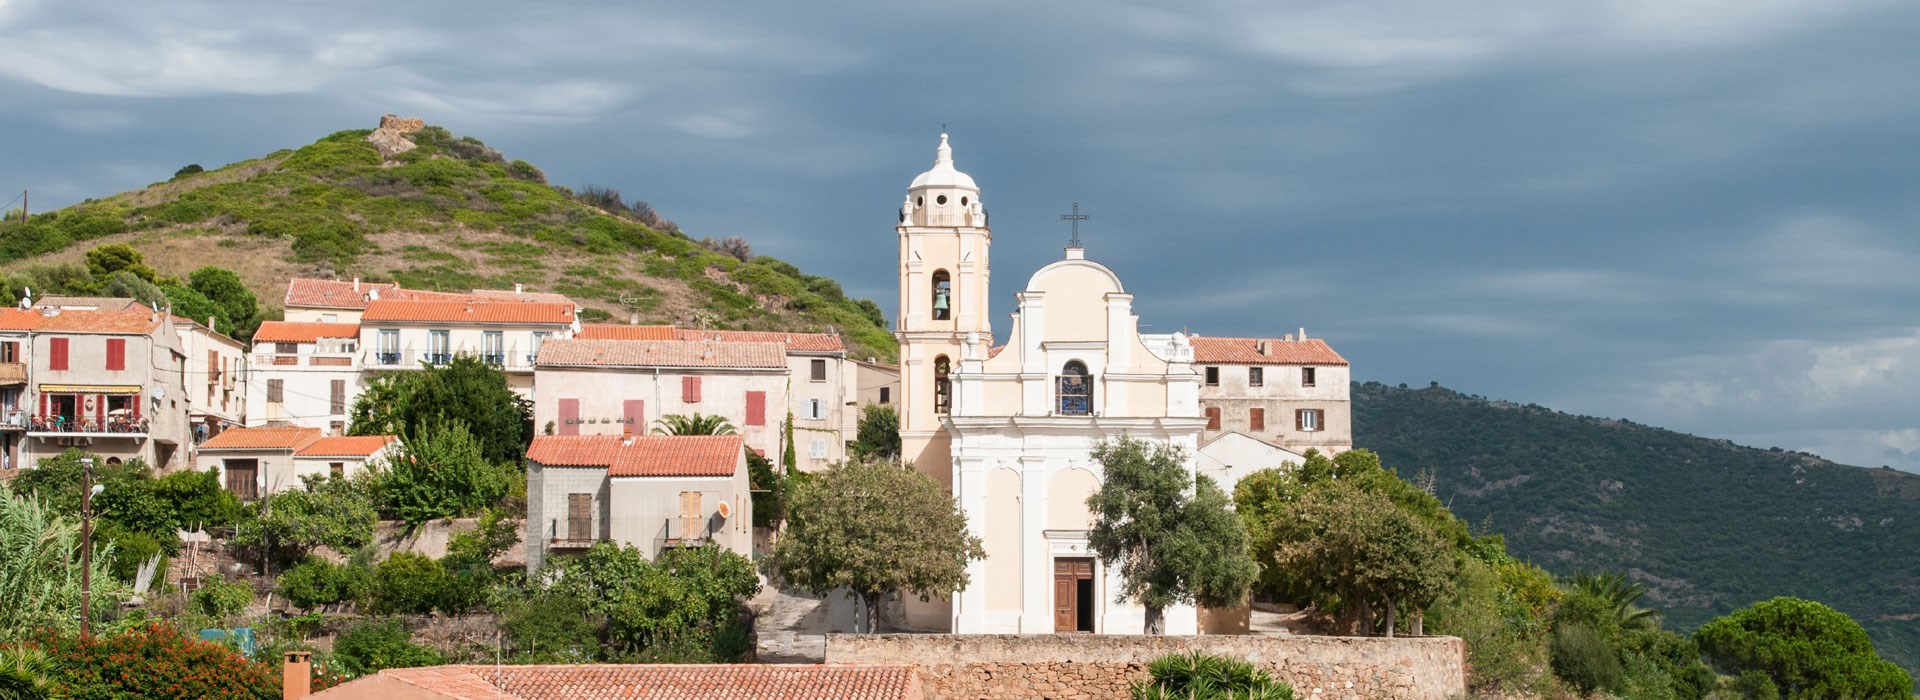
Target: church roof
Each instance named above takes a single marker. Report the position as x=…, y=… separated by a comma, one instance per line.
x=1264, y=351
x=943, y=174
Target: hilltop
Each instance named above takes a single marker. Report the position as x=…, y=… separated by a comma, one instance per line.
x=1707, y=525
x=437, y=212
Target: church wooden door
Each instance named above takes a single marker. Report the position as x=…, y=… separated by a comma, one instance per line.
x=1073, y=595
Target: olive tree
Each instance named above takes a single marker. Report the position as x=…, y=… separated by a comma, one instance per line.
x=1173, y=536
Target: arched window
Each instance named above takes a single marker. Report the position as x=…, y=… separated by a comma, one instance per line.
x=942, y=385
x=1075, y=389
x=942, y=295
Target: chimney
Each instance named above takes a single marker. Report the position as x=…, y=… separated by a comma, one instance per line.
x=519, y=288
x=1260, y=346
x=356, y=284
x=1289, y=337
x=1303, y=334
x=296, y=675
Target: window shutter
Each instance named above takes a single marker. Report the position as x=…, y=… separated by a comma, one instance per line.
x=1213, y=418
x=1256, y=419
x=1300, y=419
x=57, y=354
x=569, y=422
x=819, y=370
x=756, y=408
x=579, y=517
x=116, y=354
x=338, y=403
x=276, y=390
x=690, y=390
x=635, y=411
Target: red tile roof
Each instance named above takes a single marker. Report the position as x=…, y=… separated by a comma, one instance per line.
x=661, y=353
x=805, y=342
x=336, y=294
x=19, y=320
x=88, y=303
x=291, y=332
x=262, y=439
x=137, y=320
x=656, y=682
x=1246, y=351
x=622, y=331
x=345, y=446
x=641, y=455
x=510, y=295
x=532, y=312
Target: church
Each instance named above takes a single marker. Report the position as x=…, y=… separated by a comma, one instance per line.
x=1008, y=427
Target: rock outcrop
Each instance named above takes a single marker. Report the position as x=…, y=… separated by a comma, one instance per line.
x=391, y=138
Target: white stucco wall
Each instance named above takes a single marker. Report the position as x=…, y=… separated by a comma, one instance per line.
x=603, y=391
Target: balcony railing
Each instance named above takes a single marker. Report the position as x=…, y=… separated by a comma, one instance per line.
x=495, y=359
x=558, y=539
x=684, y=532
x=386, y=358
x=77, y=426
x=13, y=373
x=439, y=358
x=413, y=359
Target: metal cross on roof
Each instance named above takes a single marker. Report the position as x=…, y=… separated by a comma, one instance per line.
x=1076, y=217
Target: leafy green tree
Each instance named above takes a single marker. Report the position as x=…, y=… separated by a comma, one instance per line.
x=104, y=261
x=188, y=169
x=875, y=528
x=335, y=513
x=376, y=645
x=40, y=570
x=440, y=472
x=789, y=458
x=1584, y=658
x=1340, y=543
x=239, y=308
x=769, y=492
x=695, y=424
x=317, y=583
x=1809, y=650
x=879, y=434
x=466, y=390
x=1506, y=635
x=408, y=583
x=196, y=499
x=682, y=607
x=549, y=627
x=26, y=674
x=44, y=280
x=1677, y=657
x=1174, y=537
x=220, y=599
x=1197, y=676
x=130, y=285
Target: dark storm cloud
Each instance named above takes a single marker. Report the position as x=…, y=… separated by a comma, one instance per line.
x=1688, y=213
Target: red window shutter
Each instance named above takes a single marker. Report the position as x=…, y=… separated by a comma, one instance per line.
x=100, y=408
x=1213, y=418
x=57, y=354
x=46, y=405
x=116, y=354
x=569, y=417
x=1256, y=419
x=690, y=389
x=756, y=408
x=635, y=411
x=136, y=407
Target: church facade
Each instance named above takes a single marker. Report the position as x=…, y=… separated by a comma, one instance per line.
x=1008, y=428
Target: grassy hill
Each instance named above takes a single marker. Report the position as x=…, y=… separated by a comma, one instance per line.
x=450, y=214
x=1708, y=525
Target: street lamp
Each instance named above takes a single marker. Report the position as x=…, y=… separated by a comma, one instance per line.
x=87, y=492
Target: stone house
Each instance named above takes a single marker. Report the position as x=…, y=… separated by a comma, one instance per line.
x=622, y=387
x=1291, y=391
x=649, y=491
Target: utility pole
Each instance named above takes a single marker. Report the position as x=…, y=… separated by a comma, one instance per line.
x=86, y=546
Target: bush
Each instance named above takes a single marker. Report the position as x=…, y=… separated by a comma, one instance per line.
x=220, y=599
x=316, y=583
x=336, y=513
x=552, y=628
x=1583, y=658
x=1198, y=676
x=408, y=583
x=1808, y=649
x=197, y=499
x=156, y=661
x=441, y=473
x=370, y=647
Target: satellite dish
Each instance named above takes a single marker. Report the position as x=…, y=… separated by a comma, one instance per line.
x=725, y=509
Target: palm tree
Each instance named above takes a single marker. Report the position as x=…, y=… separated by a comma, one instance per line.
x=1197, y=676
x=695, y=424
x=24, y=675
x=1621, y=595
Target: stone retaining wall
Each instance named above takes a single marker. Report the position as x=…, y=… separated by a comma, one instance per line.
x=983, y=667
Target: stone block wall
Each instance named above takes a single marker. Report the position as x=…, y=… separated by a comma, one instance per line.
x=1022, y=667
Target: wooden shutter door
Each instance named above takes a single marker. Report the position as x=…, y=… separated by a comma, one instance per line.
x=1300, y=419
x=579, y=517
x=635, y=413
x=569, y=422
x=1256, y=419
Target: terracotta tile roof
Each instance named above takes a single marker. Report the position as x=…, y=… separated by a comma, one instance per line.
x=641, y=455
x=661, y=682
x=469, y=312
x=345, y=446
x=19, y=320
x=510, y=295
x=138, y=320
x=262, y=439
x=661, y=353
x=1246, y=351
x=805, y=342
x=335, y=294
x=622, y=331
x=291, y=332
x=93, y=303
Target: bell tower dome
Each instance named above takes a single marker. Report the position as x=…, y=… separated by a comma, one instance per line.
x=944, y=242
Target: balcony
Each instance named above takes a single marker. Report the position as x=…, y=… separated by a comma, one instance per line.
x=65, y=426
x=506, y=361
x=556, y=539
x=684, y=532
x=438, y=359
x=12, y=373
x=495, y=360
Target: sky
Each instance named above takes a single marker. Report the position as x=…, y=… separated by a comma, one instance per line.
x=1697, y=214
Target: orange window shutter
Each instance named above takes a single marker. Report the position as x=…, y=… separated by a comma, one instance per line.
x=1257, y=419
x=1213, y=418
x=756, y=408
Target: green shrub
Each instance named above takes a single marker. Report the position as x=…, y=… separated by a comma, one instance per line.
x=1197, y=676
x=317, y=583
x=408, y=583
x=1583, y=658
x=196, y=499
x=1756, y=685
x=372, y=646
x=220, y=599
x=552, y=628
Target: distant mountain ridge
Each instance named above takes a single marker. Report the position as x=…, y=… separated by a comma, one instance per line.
x=419, y=206
x=1708, y=525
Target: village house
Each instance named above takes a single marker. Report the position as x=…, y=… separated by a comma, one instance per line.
x=216, y=391
x=310, y=300
x=304, y=374
x=15, y=342
x=623, y=387
x=257, y=462
x=652, y=492
x=1289, y=391
x=108, y=376
x=406, y=335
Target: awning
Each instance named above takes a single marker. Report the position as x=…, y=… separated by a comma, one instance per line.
x=85, y=389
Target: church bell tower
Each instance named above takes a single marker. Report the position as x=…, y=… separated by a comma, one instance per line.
x=943, y=300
